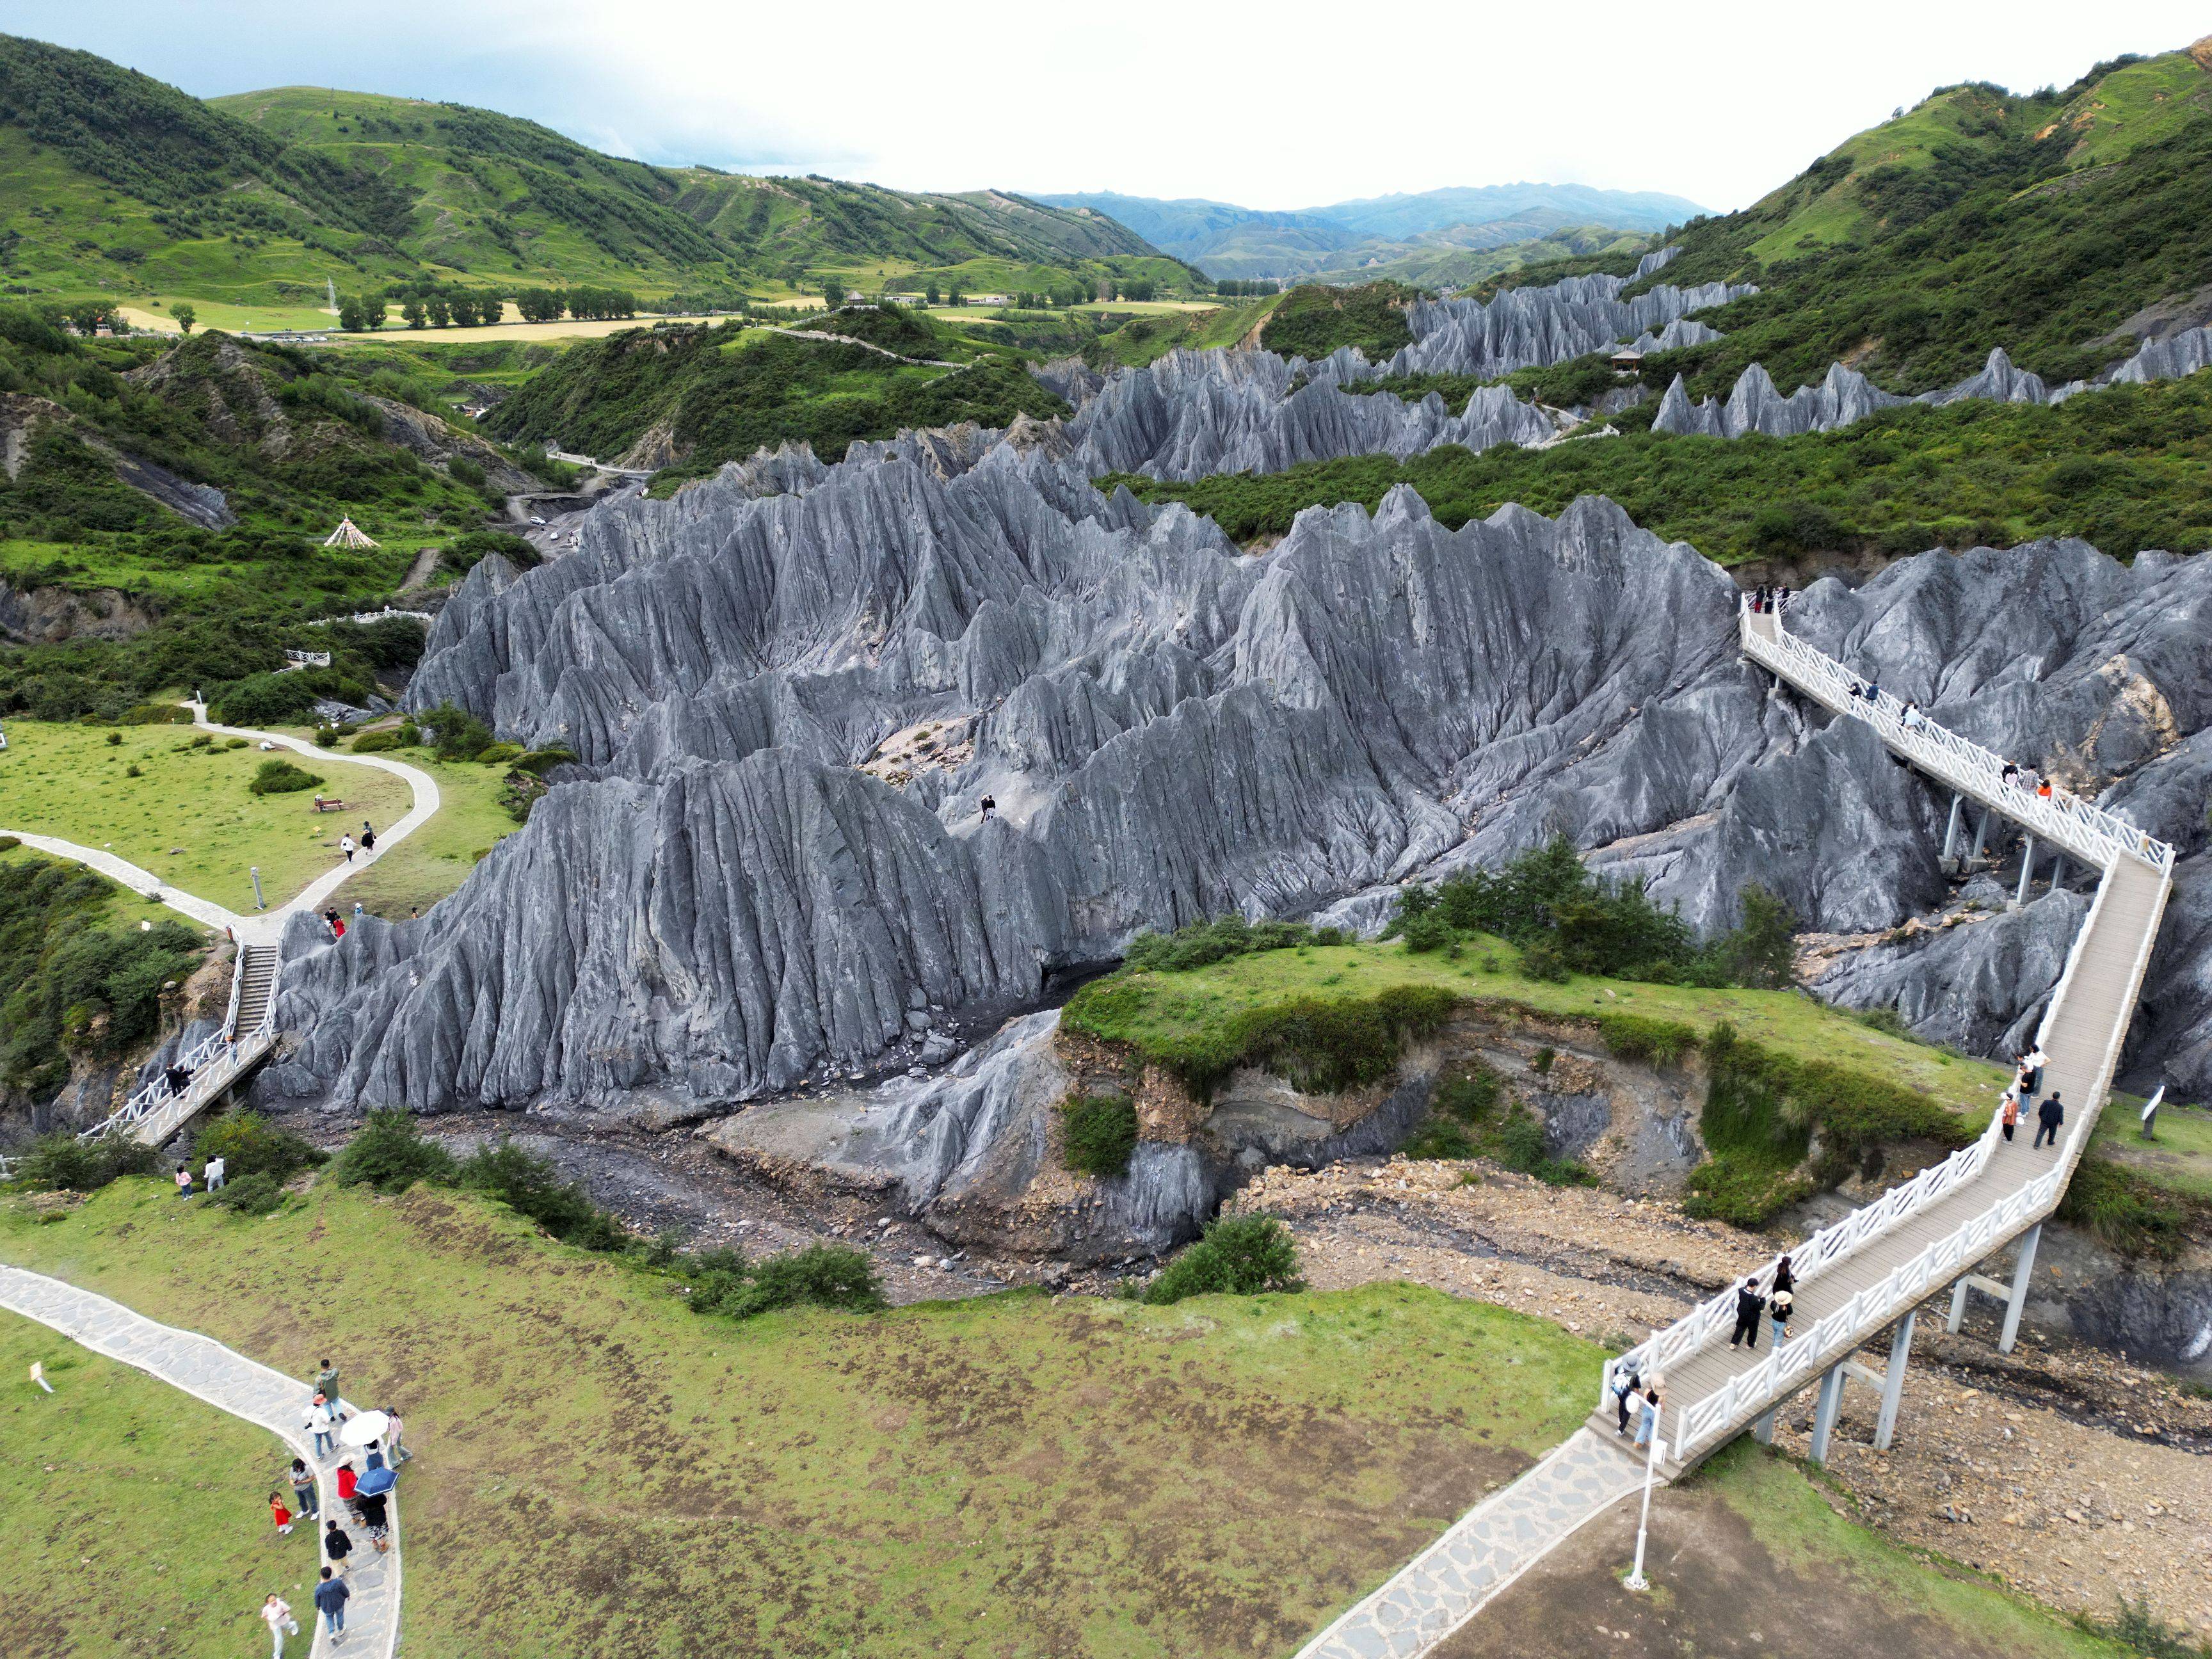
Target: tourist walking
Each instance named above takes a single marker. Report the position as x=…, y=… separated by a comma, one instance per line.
x=1624, y=1390
x=2035, y=1062
x=337, y=1544
x=349, y=1485
x=375, y=1518
x=303, y=1488
x=1778, y=1310
x=2008, y=1111
x=184, y=1182
x=393, y=1430
x=321, y=1425
x=330, y=1597
x=368, y=837
x=1749, y=1305
x=1647, y=1414
x=2048, y=1117
x=283, y=1516
x=326, y=1381
x=345, y=845
x=213, y=1175
x=276, y=1614
x=1785, y=1277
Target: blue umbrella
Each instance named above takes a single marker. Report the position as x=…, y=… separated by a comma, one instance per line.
x=374, y=1482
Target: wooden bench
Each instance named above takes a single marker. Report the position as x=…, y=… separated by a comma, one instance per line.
x=328, y=804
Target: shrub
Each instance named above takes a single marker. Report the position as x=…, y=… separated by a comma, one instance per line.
x=1100, y=1131
x=375, y=743
x=1238, y=1255
x=2123, y=1211
x=61, y=1163
x=1199, y=944
x=530, y=1186
x=390, y=1155
x=456, y=734
x=822, y=1275
x=249, y=1145
x=261, y=1193
x=497, y=754
x=280, y=777
x=1638, y=1038
x=538, y=762
x=262, y=699
x=9, y=843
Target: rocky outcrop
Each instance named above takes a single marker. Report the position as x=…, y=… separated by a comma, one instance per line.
x=1530, y=327
x=1846, y=396
x=1194, y=413
x=735, y=894
x=436, y=441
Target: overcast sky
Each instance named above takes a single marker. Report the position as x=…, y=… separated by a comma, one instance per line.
x=1271, y=106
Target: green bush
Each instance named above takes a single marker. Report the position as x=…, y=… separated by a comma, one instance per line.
x=822, y=1275
x=497, y=754
x=260, y=1193
x=249, y=1145
x=280, y=777
x=390, y=1155
x=261, y=699
x=1100, y=1133
x=538, y=762
x=375, y=743
x=531, y=1187
x=1199, y=944
x=1639, y=1037
x=1238, y=1255
x=60, y=1162
x=458, y=734
x=2124, y=1211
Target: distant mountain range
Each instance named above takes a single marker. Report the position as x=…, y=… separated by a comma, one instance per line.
x=1224, y=240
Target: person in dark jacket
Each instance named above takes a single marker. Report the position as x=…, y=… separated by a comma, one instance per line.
x=2048, y=1117
x=1624, y=1391
x=375, y=1516
x=1749, y=1305
x=338, y=1545
x=331, y=1597
x=1784, y=1279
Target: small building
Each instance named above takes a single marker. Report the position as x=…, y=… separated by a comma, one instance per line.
x=1628, y=361
x=989, y=299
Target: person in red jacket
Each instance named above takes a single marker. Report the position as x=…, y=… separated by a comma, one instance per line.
x=283, y=1516
x=348, y=1481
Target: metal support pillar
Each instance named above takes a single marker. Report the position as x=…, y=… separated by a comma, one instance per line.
x=2021, y=1273
x=2026, y=869
x=1981, y=835
x=1950, y=830
x=1762, y=1428
x=1892, y=1383
x=2057, y=872
x=1830, y=1402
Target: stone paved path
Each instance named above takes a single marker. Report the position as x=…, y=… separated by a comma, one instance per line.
x=1490, y=1546
x=205, y=1369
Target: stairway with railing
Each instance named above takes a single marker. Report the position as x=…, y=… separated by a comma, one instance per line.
x=1871, y=1269
x=211, y=1065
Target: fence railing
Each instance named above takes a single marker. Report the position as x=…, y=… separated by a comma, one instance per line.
x=1703, y=1420
x=2081, y=827
x=211, y=1064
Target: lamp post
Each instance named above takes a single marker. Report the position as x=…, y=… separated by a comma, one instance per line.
x=254, y=870
x=1636, y=1580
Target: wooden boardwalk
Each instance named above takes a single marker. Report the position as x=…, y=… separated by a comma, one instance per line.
x=1864, y=1274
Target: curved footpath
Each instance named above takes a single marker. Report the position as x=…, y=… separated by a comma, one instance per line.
x=264, y=926
x=206, y=1370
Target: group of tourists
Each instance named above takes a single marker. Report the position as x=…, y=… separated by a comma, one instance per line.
x=1766, y=601
x=367, y=843
x=2027, y=779
x=364, y=1490
x=2021, y=1093
x=213, y=1173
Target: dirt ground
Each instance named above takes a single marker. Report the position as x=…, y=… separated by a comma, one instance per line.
x=2058, y=1469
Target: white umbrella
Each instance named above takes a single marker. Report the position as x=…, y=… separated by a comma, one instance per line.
x=362, y=1428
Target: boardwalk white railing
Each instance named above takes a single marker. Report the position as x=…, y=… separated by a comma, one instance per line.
x=159, y=1107
x=2088, y=832
x=2083, y=828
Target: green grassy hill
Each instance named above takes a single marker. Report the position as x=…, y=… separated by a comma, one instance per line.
x=112, y=182
x=1980, y=218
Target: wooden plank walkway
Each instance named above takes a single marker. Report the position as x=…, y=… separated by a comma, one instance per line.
x=2001, y=1189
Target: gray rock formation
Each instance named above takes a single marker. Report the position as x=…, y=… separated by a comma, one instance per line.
x=2168, y=359
x=788, y=708
x=1657, y=260
x=1527, y=327
x=1194, y=413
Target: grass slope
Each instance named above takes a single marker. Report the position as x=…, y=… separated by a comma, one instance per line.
x=68, y=780
x=1977, y=219
x=118, y=183
x=1012, y=1476
x=138, y=1516
x=1153, y=1011
x=2127, y=468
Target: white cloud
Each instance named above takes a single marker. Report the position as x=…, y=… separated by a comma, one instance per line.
x=1281, y=106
